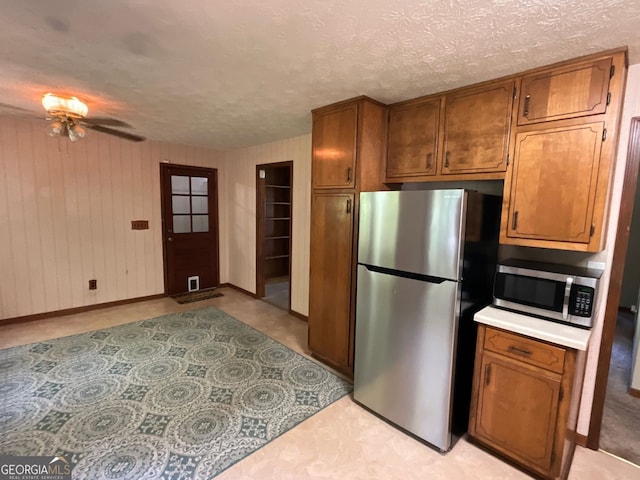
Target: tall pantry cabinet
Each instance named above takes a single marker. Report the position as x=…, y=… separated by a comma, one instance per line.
x=347, y=158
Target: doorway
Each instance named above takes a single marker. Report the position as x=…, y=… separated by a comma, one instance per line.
x=189, y=202
x=620, y=434
x=274, y=207
x=605, y=430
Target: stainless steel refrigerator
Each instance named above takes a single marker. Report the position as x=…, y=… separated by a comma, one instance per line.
x=426, y=261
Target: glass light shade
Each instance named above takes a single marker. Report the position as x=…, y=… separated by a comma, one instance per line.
x=76, y=132
x=71, y=106
x=57, y=128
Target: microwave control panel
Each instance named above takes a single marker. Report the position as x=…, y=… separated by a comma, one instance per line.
x=581, y=301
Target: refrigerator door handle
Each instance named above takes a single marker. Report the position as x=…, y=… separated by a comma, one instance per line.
x=399, y=273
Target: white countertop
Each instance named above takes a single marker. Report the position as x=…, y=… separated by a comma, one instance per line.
x=558, y=333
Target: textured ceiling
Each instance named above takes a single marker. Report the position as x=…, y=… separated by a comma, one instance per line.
x=238, y=73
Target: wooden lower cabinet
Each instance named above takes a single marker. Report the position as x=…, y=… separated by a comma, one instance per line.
x=524, y=404
x=330, y=329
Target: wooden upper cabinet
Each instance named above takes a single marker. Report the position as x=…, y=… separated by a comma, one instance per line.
x=476, y=129
x=553, y=185
x=334, y=135
x=413, y=138
x=567, y=92
x=330, y=277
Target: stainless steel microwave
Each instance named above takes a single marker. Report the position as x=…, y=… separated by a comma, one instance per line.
x=555, y=292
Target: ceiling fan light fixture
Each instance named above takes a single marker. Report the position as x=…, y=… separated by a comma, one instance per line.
x=59, y=105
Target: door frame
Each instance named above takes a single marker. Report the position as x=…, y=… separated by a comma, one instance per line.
x=164, y=172
x=261, y=194
x=632, y=166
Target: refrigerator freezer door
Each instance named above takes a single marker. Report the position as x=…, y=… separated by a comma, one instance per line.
x=413, y=231
x=405, y=344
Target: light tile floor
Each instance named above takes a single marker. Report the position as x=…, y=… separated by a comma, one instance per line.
x=343, y=441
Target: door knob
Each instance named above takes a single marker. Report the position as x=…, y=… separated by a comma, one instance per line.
x=170, y=239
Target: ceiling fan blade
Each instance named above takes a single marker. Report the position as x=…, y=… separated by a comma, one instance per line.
x=106, y=121
x=13, y=107
x=117, y=133
x=13, y=111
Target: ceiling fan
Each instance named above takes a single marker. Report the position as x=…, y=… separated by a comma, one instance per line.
x=69, y=119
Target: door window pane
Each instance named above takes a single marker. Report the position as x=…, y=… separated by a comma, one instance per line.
x=179, y=184
x=201, y=223
x=199, y=185
x=180, y=204
x=181, y=224
x=200, y=204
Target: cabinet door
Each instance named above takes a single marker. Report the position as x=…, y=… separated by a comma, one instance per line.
x=413, y=139
x=476, y=131
x=334, y=147
x=553, y=183
x=568, y=92
x=517, y=410
x=330, y=276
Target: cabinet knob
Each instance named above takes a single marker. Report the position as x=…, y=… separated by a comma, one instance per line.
x=514, y=223
x=429, y=161
x=487, y=375
x=348, y=174
x=348, y=205
x=446, y=160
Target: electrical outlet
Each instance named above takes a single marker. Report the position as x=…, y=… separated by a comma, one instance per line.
x=93, y=284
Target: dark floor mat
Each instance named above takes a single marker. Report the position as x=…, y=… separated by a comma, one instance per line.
x=196, y=296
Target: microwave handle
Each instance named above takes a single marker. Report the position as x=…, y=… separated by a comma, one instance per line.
x=567, y=294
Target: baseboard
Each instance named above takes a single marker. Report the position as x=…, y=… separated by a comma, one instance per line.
x=298, y=315
x=239, y=289
x=634, y=392
x=581, y=440
x=72, y=311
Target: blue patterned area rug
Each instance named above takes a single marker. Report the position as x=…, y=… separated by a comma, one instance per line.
x=178, y=397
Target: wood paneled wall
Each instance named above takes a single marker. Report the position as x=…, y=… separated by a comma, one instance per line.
x=65, y=217
x=240, y=165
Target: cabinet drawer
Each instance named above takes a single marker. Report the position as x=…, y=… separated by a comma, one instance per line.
x=525, y=349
